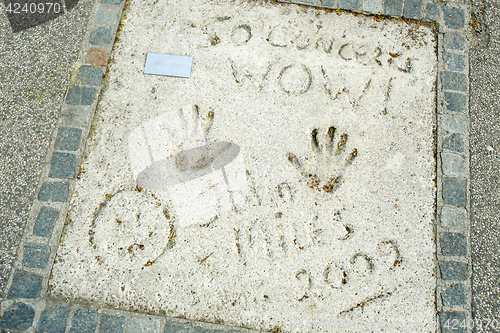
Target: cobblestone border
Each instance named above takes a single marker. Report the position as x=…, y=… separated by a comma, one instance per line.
x=27, y=308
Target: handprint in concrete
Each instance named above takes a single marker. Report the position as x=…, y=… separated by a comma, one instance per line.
x=204, y=179
x=323, y=171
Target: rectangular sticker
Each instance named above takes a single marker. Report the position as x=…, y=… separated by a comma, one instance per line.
x=167, y=64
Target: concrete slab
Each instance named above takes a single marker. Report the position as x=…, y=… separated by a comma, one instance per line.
x=288, y=183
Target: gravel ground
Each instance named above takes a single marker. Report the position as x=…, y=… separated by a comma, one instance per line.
x=485, y=162
x=34, y=71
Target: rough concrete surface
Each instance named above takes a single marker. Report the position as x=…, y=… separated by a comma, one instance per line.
x=334, y=118
x=34, y=70
x=485, y=161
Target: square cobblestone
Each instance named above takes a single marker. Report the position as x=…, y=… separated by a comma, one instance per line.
x=68, y=138
x=100, y=36
x=62, y=165
x=106, y=15
x=25, y=285
x=451, y=270
x=453, y=244
x=176, y=328
x=88, y=95
x=455, y=101
x=328, y=3
x=454, y=123
x=453, y=61
x=412, y=9
x=454, y=81
x=453, y=164
x=432, y=11
x=349, y=4
x=74, y=116
x=18, y=316
x=111, y=323
x=142, y=325
x=35, y=255
x=74, y=96
x=453, y=17
x=97, y=56
x=84, y=321
x=90, y=75
x=454, y=295
x=53, y=320
x=454, y=142
x=455, y=191
x=393, y=7
x=45, y=221
x=451, y=321
x=373, y=6
x=454, y=41
x=454, y=218
x=54, y=192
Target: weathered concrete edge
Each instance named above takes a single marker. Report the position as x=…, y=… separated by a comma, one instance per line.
x=452, y=141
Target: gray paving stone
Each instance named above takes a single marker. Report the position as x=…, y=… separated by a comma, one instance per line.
x=74, y=116
x=453, y=164
x=349, y=4
x=451, y=270
x=453, y=244
x=454, y=41
x=81, y=95
x=62, y=165
x=454, y=295
x=84, y=321
x=45, y=221
x=106, y=15
x=451, y=321
x=373, y=6
x=454, y=123
x=393, y=7
x=205, y=330
x=68, y=138
x=454, y=81
x=100, y=36
x=328, y=3
x=176, y=328
x=455, y=191
x=90, y=75
x=54, y=192
x=454, y=142
x=74, y=96
x=111, y=323
x=453, y=61
x=453, y=17
x=455, y=101
x=412, y=9
x=25, y=285
x=454, y=218
x=35, y=255
x=88, y=95
x=53, y=320
x=432, y=11
x=18, y=316
x=142, y=325
x=112, y=2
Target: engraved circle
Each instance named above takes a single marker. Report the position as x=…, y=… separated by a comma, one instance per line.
x=294, y=79
x=241, y=34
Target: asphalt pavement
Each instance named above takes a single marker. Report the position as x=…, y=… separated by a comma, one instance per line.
x=35, y=66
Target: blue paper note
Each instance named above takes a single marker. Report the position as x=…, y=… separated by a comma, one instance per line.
x=167, y=64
